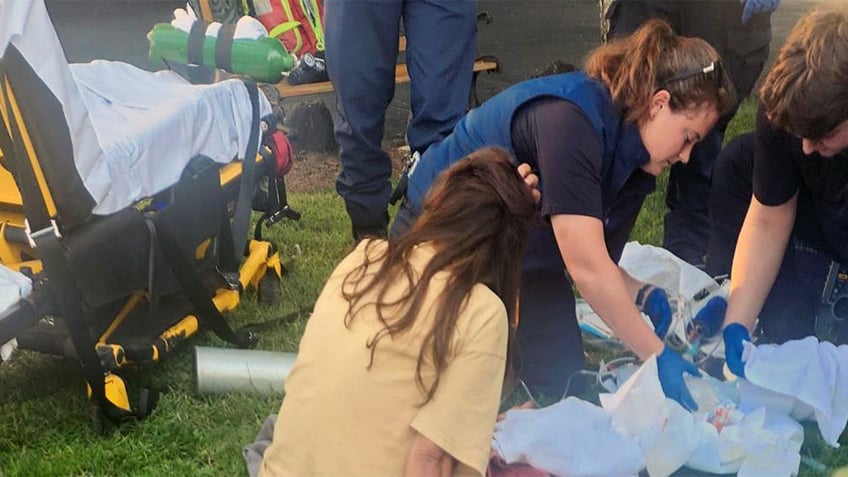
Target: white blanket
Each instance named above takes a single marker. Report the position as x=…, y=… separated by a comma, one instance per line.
x=572, y=437
x=132, y=131
x=639, y=427
x=151, y=124
x=13, y=286
x=804, y=379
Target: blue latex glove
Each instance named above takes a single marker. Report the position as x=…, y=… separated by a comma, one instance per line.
x=757, y=6
x=654, y=303
x=708, y=320
x=734, y=335
x=671, y=367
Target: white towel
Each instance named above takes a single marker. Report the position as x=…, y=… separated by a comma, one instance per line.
x=13, y=287
x=572, y=437
x=806, y=375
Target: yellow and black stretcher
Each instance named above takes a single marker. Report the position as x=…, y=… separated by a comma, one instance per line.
x=122, y=290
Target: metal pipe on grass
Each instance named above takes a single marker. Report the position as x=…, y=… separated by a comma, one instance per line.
x=224, y=370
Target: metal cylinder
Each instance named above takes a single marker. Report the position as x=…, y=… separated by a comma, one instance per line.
x=224, y=370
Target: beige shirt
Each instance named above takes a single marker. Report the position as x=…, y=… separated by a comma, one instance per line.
x=340, y=418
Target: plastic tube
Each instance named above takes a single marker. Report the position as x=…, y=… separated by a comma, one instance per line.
x=224, y=370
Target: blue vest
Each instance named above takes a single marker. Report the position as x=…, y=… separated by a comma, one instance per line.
x=491, y=125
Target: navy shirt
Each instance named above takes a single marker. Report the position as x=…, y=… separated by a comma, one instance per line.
x=554, y=137
x=557, y=140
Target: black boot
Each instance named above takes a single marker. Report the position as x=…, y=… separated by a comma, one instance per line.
x=361, y=232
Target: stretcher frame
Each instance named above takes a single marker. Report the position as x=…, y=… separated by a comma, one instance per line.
x=39, y=235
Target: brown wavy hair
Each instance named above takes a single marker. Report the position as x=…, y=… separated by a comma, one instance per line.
x=806, y=91
x=477, y=215
x=654, y=58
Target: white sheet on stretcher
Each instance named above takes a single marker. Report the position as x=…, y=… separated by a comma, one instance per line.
x=151, y=124
x=132, y=131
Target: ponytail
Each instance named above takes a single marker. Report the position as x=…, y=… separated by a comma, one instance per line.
x=635, y=67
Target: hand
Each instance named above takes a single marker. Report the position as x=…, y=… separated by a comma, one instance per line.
x=531, y=180
x=671, y=367
x=757, y=6
x=653, y=301
x=735, y=334
x=708, y=320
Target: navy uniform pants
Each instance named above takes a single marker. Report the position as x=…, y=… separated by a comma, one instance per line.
x=790, y=308
x=361, y=53
x=744, y=50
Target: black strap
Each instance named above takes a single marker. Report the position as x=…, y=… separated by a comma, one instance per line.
x=152, y=297
x=196, y=37
x=69, y=301
x=224, y=47
x=642, y=294
x=6, y=145
x=241, y=217
x=227, y=259
x=195, y=69
x=63, y=287
x=34, y=207
x=192, y=285
x=273, y=322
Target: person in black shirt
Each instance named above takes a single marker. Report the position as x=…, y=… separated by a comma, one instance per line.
x=796, y=165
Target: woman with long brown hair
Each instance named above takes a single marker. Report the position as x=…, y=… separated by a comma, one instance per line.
x=598, y=139
x=401, y=366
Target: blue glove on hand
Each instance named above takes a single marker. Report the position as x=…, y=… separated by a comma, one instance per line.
x=757, y=6
x=671, y=367
x=734, y=335
x=708, y=320
x=653, y=301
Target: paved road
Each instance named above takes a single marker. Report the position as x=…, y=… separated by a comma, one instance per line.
x=525, y=35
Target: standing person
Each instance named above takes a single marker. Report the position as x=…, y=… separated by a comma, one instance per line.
x=796, y=164
x=597, y=140
x=400, y=369
x=741, y=33
x=361, y=50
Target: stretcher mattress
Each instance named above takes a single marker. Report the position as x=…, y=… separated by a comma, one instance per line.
x=150, y=125
x=132, y=131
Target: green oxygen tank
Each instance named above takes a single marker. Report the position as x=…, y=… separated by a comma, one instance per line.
x=262, y=60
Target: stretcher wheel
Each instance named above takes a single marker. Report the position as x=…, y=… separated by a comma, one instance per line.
x=102, y=423
x=270, y=293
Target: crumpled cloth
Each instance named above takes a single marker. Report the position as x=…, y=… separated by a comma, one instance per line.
x=803, y=379
x=716, y=439
x=666, y=433
x=255, y=451
x=572, y=437
x=13, y=287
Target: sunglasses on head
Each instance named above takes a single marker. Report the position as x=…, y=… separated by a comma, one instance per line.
x=713, y=68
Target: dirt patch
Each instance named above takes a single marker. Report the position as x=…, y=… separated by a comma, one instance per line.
x=312, y=172
x=317, y=171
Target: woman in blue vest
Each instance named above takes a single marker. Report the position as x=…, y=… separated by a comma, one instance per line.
x=597, y=141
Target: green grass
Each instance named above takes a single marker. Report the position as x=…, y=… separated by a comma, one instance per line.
x=45, y=428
